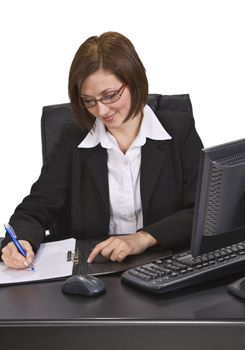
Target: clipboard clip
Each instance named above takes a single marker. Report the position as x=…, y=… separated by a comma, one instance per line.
x=73, y=256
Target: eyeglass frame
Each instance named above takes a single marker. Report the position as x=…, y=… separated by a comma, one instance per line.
x=118, y=93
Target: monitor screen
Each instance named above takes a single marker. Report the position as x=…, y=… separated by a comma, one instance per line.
x=219, y=215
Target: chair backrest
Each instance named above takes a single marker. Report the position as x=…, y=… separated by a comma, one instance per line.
x=55, y=116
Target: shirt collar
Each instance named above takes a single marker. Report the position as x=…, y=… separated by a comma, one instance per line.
x=150, y=128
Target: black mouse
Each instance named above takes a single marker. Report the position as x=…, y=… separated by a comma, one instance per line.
x=238, y=288
x=83, y=285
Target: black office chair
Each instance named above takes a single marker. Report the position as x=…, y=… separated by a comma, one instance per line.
x=54, y=117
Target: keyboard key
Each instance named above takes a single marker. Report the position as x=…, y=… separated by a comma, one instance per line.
x=183, y=270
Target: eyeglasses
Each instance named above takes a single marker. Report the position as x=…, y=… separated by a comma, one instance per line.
x=111, y=98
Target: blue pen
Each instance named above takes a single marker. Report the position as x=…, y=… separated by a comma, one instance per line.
x=12, y=235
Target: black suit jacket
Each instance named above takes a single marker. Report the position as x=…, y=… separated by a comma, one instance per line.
x=79, y=177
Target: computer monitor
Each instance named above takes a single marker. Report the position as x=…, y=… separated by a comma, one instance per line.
x=219, y=215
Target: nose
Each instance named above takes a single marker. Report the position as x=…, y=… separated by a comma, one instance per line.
x=101, y=109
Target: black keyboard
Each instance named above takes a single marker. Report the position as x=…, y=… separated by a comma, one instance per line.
x=182, y=270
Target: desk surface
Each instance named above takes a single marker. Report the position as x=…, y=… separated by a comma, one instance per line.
x=200, y=316
x=45, y=301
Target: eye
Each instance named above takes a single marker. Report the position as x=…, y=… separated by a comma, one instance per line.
x=109, y=97
x=88, y=102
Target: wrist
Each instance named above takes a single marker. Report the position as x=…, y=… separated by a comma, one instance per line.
x=148, y=238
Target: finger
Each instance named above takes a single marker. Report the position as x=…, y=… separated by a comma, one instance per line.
x=114, y=248
x=29, y=258
x=12, y=258
x=9, y=249
x=120, y=254
x=108, y=251
x=29, y=251
x=15, y=260
x=14, y=264
x=98, y=249
x=117, y=250
x=18, y=260
x=25, y=245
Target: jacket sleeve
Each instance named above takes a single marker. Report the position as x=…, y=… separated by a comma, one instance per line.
x=48, y=194
x=175, y=230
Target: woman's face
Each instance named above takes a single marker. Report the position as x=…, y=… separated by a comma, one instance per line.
x=103, y=83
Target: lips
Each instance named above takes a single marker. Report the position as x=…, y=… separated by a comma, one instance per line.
x=109, y=118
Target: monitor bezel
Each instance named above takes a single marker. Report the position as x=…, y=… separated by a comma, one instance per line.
x=208, y=155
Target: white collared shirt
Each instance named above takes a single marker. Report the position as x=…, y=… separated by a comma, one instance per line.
x=124, y=171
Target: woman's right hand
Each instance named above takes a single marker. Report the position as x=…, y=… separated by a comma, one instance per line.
x=13, y=259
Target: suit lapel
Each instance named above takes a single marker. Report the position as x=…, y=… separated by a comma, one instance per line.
x=97, y=165
x=153, y=158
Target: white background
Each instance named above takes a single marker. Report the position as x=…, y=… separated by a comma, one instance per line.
x=187, y=46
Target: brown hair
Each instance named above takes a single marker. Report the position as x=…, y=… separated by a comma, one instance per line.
x=113, y=52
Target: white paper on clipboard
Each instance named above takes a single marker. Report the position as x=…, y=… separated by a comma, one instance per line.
x=50, y=262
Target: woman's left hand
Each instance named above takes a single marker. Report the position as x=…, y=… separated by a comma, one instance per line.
x=116, y=248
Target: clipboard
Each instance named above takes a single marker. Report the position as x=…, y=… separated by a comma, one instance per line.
x=102, y=266
x=61, y=259
x=50, y=263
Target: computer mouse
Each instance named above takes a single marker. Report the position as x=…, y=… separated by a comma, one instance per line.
x=83, y=285
x=238, y=288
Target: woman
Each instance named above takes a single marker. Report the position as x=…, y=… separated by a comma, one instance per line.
x=129, y=175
